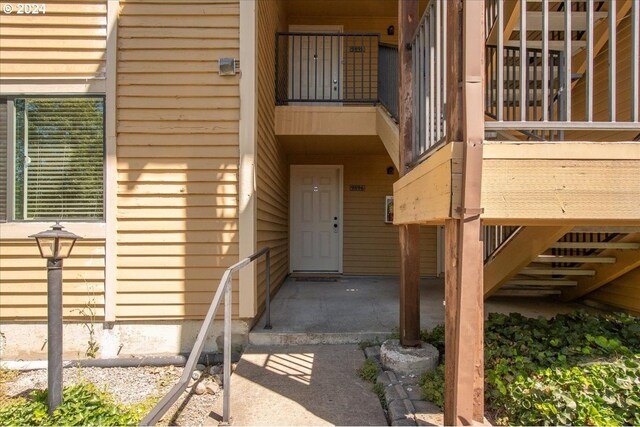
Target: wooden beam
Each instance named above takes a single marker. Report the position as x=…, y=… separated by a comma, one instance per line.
x=450, y=313
x=511, y=18
x=519, y=251
x=325, y=120
x=626, y=260
x=387, y=130
x=467, y=375
x=408, y=19
x=424, y=195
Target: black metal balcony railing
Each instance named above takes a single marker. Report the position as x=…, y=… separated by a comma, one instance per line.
x=345, y=68
x=388, y=81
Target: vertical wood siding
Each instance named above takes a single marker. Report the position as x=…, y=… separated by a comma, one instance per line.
x=177, y=156
x=23, y=288
x=69, y=40
x=371, y=247
x=272, y=172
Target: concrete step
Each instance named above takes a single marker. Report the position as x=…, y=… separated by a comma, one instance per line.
x=265, y=338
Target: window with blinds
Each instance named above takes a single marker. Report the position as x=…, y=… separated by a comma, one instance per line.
x=59, y=158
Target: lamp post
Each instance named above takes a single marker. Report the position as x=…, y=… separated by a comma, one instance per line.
x=55, y=245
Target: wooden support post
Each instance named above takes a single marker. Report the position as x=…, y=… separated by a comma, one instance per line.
x=409, y=234
x=464, y=374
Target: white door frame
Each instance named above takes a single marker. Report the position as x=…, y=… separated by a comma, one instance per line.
x=329, y=29
x=340, y=169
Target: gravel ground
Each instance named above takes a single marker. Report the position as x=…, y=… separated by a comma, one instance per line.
x=133, y=385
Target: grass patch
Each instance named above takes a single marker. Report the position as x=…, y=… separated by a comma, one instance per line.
x=378, y=389
x=573, y=369
x=369, y=371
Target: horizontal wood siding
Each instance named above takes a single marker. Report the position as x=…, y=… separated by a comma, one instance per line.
x=272, y=173
x=601, y=91
x=23, y=288
x=370, y=245
x=69, y=40
x=177, y=156
x=623, y=293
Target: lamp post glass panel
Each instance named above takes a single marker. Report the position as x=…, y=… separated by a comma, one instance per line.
x=54, y=245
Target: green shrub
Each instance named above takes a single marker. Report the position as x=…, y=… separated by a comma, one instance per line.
x=432, y=386
x=435, y=337
x=83, y=404
x=573, y=369
x=597, y=394
x=369, y=371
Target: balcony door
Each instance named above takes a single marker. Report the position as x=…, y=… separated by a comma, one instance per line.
x=315, y=64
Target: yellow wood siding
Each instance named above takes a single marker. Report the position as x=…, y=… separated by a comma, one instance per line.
x=23, y=288
x=623, y=292
x=177, y=156
x=370, y=245
x=601, y=91
x=69, y=40
x=272, y=173
x=3, y=162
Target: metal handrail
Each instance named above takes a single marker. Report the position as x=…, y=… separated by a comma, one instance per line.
x=224, y=287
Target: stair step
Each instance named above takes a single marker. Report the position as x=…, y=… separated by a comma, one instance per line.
x=556, y=20
x=558, y=271
x=540, y=282
x=595, y=245
x=580, y=259
x=526, y=292
x=576, y=45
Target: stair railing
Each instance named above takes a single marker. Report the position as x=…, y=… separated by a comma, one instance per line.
x=495, y=237
x=224, y=288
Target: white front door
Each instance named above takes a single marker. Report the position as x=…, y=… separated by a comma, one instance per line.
x=316, y=223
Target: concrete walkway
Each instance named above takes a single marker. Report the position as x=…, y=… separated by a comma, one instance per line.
x=302, y=386
x=353, y=309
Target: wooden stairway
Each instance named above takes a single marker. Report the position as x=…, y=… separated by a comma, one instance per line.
x=543, y=261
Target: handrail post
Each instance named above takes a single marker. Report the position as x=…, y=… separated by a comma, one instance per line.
x=268, y=284
x=227, y=351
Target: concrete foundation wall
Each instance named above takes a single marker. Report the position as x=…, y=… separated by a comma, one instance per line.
x=28, y=341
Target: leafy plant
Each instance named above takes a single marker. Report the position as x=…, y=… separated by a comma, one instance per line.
x=573, y=369
x=369, y=371
x=432, y=385
x=83, y=404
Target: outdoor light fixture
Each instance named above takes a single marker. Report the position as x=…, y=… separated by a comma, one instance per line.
x=227, y=66
x=55, y=245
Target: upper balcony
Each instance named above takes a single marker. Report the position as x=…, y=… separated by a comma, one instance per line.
x=554, y=71
x=561, y=90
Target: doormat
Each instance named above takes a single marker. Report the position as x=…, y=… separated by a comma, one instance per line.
x=316, y=279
